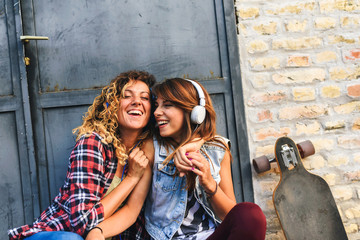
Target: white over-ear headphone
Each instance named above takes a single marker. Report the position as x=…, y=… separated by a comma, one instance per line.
x=198, y=113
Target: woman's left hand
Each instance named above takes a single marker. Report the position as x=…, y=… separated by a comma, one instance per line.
x=181, y=158
x=201, y=167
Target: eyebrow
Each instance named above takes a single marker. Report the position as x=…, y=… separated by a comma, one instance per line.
x=129, y=90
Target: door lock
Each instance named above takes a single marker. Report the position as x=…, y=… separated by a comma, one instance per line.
x=27, y=61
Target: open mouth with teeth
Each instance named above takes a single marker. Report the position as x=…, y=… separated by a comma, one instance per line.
x=135, y=113
x=162, y=123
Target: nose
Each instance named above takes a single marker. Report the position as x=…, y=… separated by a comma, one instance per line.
x=136, y=100
x=157, y=112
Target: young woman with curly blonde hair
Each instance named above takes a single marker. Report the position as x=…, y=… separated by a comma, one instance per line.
x=106, y=166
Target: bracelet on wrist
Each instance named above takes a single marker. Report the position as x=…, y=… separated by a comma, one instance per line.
x=98, y=228
x=211, y=194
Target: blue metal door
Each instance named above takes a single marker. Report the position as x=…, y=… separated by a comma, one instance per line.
x=90, y=42
x=18, y=195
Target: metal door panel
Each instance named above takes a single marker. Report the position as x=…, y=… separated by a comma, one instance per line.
x=8, y=103
x=11, y=201
x=59, y=143
x=14, y=173
x=226, y=126
x=5, y=68
x=90, y=42
x=219, y=105
x=18, y=194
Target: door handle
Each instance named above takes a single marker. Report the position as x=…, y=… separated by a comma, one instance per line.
x=27, y=38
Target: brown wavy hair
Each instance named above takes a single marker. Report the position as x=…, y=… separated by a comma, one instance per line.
x=101, y=116
x=184, y=95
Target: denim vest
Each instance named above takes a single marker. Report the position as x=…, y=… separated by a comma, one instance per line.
x=166, y=203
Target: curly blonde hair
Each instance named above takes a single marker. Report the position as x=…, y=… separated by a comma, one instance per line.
x=102, y=118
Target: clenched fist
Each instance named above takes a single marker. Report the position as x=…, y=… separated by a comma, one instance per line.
x=137, y=163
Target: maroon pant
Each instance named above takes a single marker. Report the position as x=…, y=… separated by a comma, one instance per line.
x=245, y=221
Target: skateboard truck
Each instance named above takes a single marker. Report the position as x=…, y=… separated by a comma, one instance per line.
x=288, y=155
x=306, y=148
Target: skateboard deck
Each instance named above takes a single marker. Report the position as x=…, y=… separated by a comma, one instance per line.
x=303, y=201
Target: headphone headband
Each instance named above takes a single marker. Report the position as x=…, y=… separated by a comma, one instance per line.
x=199, y=91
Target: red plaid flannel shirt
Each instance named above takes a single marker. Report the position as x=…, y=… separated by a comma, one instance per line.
x=77, y=207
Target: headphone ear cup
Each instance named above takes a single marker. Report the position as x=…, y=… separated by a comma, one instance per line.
x=198, y=114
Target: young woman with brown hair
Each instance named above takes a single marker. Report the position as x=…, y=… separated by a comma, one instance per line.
x=202, y=204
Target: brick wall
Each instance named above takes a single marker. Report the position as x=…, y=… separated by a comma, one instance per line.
x=300, y=64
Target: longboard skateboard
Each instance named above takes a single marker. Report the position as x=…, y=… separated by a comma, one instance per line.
x=303, y=201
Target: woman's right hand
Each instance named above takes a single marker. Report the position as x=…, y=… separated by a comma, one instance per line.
x=95, y=234
x=137, y=163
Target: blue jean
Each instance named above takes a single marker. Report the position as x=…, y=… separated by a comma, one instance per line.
x=55, y=235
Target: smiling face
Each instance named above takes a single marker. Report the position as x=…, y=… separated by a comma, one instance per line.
x=170, y=119
x=135, y=107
